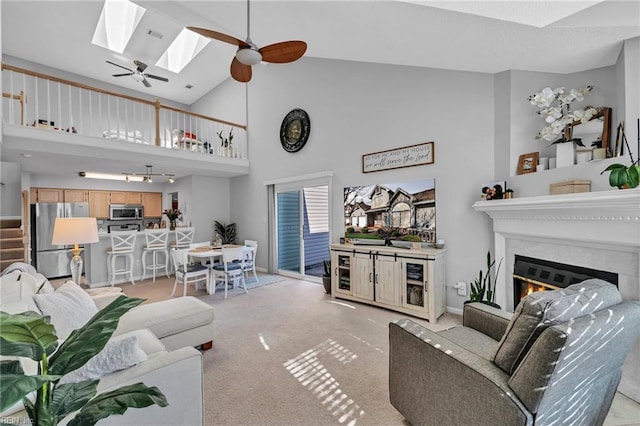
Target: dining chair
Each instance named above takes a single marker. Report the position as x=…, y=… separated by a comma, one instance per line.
x=250, y=257
x=184, y=237
x=231, y=268
x=186, y=273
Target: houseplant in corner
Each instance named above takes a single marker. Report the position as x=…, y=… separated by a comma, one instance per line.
x=226, y=232
x=31, y=335
x=483, y=287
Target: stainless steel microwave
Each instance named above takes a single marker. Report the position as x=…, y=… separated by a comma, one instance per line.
x=126, y=211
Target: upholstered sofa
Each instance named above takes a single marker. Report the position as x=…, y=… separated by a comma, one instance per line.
x=557, y=360
x=165, y=333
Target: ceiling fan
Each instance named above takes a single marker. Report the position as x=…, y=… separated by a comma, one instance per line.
x=138, y=74
x=249, y=54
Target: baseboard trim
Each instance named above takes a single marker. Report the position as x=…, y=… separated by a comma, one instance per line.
x=456, y=311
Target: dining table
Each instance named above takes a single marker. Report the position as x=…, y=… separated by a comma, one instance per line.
x=207, y=255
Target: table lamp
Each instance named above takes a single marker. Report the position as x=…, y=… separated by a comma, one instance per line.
x=75, y=230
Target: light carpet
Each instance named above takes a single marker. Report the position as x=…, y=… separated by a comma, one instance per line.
x=288, y=354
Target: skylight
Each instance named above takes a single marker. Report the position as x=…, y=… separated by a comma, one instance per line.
x=118, y=20
x=182, y=50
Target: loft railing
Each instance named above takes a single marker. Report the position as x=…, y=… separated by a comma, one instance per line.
x=52, y=103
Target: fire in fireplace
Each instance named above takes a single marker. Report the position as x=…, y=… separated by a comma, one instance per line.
x=530, y=274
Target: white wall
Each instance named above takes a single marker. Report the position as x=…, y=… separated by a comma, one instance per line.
x=10, y=190
x=202, y=200
x=356, y=109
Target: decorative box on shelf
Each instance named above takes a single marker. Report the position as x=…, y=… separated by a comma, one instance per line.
x=570, y=187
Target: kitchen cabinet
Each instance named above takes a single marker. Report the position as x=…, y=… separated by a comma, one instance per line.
x=152, y=203
x=408, y=281
x=99, y=204
x=119, y=197
x=49, y=195
x=133, y=197
x=76, y=196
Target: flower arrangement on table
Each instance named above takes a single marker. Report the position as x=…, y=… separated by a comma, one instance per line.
x=554, y=109
x=173, y=215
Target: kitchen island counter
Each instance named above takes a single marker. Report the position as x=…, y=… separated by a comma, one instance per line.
x=95, y=256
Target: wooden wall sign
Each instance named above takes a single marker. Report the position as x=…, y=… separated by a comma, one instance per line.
x=408, y=156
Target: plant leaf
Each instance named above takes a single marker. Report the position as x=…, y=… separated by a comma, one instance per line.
x=84, y=343
x=117, y=402
x=71, y=397
x=633, y=174
x=14, y=387
x=27, y=334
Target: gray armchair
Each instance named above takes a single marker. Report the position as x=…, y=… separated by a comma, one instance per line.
x=557, y=360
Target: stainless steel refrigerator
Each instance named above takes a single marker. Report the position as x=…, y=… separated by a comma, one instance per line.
x=50, y=260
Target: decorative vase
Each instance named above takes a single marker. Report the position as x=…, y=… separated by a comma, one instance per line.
x=172, y=225
x=565, y=154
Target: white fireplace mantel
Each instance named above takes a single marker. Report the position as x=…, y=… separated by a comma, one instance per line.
x=606, y=217
x=599, y=230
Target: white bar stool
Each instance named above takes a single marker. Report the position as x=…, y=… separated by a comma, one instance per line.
x=156, y=244
x=122, y=245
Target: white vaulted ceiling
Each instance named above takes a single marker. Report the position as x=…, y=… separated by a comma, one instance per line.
x=482, y=36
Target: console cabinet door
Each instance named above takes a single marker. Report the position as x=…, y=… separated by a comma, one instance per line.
x=415, y=285
x=341, y=273
x=99, y=204
x=387, y=281
x=363, y=276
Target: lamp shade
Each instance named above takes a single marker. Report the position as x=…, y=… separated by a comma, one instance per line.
x=75, y=230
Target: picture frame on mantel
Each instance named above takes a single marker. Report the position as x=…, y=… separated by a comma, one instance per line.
x=407, y=156
x=528, y=163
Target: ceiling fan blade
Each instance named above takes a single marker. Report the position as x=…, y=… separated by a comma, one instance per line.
x=113, y=63
x=240, y=72
x=283, y=52
x=219, y=36
x=141, y=65
x=122, y=75
x=146, y=83
x=155, y=77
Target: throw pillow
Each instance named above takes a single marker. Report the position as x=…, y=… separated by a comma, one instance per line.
x=117, y=354
x=70, y=307
x=540, y=310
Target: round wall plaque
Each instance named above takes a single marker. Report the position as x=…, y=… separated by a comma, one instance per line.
x=295, y=130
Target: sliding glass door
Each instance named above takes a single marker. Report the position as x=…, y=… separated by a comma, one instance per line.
x=302, y=230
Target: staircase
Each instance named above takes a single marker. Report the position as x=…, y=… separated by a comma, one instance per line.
x=12, y=242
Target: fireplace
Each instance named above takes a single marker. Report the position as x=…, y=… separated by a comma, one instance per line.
x=531, y=274
x=598, y=230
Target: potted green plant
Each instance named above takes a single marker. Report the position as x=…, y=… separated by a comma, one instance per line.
x=226, y=232
x=31, y=335
x=326, y=276
x=621, y=176
x=483, y=287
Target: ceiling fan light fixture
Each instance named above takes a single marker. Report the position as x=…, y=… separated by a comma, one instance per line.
x=137, y=77
x=248, y=56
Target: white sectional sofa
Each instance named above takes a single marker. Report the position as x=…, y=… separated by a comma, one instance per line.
x=165, y=331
